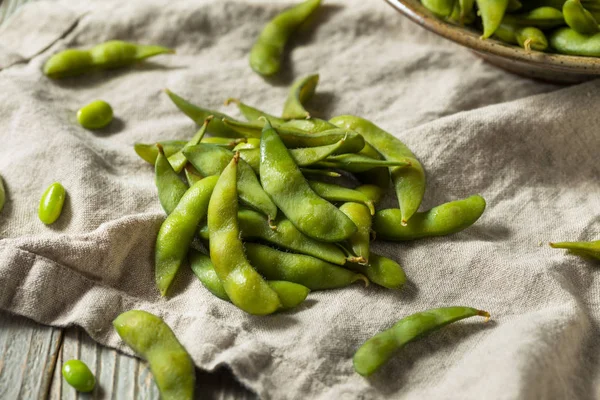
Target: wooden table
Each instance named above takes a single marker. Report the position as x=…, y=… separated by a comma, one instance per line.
x=31, y=355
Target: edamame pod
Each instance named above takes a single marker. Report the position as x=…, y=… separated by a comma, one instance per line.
x=149, y=152
x=198, y=115
x=177, y=231
x=541, y=17
x=51, y=203
x=579, y=19
x=254, y=226
x=360, y=163
x=584, y=249
x=381, y=271
x=168, y=184
x=319, y=172
x=192, y=175
x=205, y=271
x=360, y=214
x=289, y=190
x=152, y=339
x=212, y=160
x=529, y=38
x=442, y=220
x=300, y=92
x=380, y=348
x=314, y=125
x=95, y=115
x=373, y=192
x=290, y=294
x=333, y=193
x=441, y=8
x=409, y=181
x=111, y=54
x=2, y=194
x=243, y=285
x=492, y=13
x=265, y=56
x=251, y=113
x=568, y=41
x=178, y=160
x=78, y=375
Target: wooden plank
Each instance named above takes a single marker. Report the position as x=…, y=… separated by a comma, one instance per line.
x=28, y=354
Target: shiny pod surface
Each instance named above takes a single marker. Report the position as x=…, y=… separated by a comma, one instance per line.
x=78, y=375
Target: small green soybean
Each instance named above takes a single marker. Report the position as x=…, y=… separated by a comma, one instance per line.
x=111, y=54
x=492, y=13
x=168, y=184
x=251, y=113
x=442, y=220
x=152, y=339
x=381, y=270
x=244, y=286
x=289, y=190
x=583, y=249
x=579, y=19
x=380, y=348
x=2, y=194
x=78, y=375
x=177, y=231
x=95, y=115
x=360, y=214
x=300, y=92
x=569, y=41
x=51, y=203
x=265, y=56
x=178, y=160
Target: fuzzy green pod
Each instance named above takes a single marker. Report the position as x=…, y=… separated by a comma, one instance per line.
x=579, y=19
x=78, y=375
x=51, y=203
x=95, y=115
x=492, y=13
x=300, y=92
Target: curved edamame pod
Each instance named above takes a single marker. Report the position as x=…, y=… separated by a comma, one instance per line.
x=442, y=220
x=569, y=41
x=290, y=294
x=2, y=194
x=314, y=125
x=360, y=214
x=212, y=160
x=492, y=13
x=251, y=113
x=254, y=226
x=178, y=160
x=177, y=231
x=380, y=348
x=243, y=285
x=584, y=249
x=309, y=271
x=192, y=175
x=360, y=163
x=373, y=192
x=381, y=271
x=530, y=38
x=579, y=19
x=441, y=8
x=111, y=54
x=409, y=181
x=300, y=92
x=265, y=56
x=152, y=339
x=289, y=190
x=333, y=192
x=541, y=17
x=198, y=115
x=149, y=152
x=170, y=187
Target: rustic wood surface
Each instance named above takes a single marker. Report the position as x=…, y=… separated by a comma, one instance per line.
x=31, y=355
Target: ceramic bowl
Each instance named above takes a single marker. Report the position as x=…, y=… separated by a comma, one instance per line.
x=534, y=64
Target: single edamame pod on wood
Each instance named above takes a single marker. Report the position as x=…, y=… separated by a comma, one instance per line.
x=442, y=220
x=380, y=348
x=95, y=115
x=568, y=41
x=168, y=184
x=583, y=249
x=578, y=18
x=265, y=56
x=152, y=339
x=51, y=203
x=381, y=271
x=111, y=54
x=78, y=375
x=300, y=92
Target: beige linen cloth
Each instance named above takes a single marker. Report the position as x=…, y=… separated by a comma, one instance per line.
x=530, y=148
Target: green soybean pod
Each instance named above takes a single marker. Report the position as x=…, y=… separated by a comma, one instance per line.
x=199, y=115
x=290, y=294
x=569, y=41
x=70, y=62
x=308, y=271
x=177, y=231
x=152, y=339
x=360, y=214
x=251, y=113
x=265, y=56
x=78, y=375
x=244, y=286
x=289, y=190
x=336, y=193
x=381, y=270
x=51, y=203
x=380, y=348
x=514, y=5
x=441, y=8
x=461, y=14
x=168, y=184
x=492, y=12
x=95, y=115
x=360, y=163
x=178, y=160
x=148, y=152
x=583, y=249
x=192, y=175
x=373, y=192
x=409, y=181
x=300, y=92
x=541, y=17
x=313, y=125
x=578, y=18
x=2, y=194
x=117, y=53
x=531, y=38
x=442, y=220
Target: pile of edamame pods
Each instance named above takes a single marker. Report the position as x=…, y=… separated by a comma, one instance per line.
x=561, y=26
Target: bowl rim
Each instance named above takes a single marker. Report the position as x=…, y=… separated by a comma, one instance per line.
x=416, y=12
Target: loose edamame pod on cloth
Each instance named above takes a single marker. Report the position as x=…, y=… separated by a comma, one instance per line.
x=2, y=194
x=300, y=92
x=579, y=19
x=111, y=54
x=442, y=220
x=568, y=41
x=95, y=115
x=380, y=348
x=168, y=184
x=287, y=187
x=244, y=286
x=265, y=56
x=409, y=181
x=152, y=339
x=177, y=231
x=51, y=203
x=583, y=249
x=78, y=375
